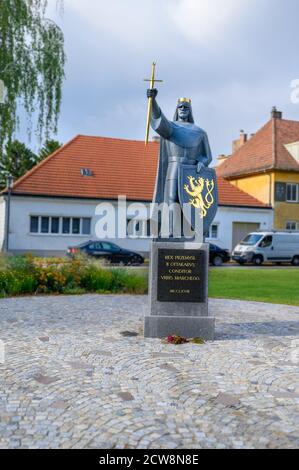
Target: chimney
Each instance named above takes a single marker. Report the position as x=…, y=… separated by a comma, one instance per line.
x=276, y=114
x=156, y=138
x=237, y=144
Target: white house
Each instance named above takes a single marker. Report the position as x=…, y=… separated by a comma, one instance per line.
x=56, y=204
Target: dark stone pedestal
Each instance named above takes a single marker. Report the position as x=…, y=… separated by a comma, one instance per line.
x=179, y=291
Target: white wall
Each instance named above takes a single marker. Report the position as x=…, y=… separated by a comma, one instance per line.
x=21, y=240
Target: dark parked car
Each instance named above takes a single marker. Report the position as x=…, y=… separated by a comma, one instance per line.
x=218, y=255
x=107, y=251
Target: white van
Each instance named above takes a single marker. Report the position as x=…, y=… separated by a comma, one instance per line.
x=274, y=247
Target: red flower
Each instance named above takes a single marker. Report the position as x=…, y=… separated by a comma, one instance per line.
x=175, y=339
x=170, y=339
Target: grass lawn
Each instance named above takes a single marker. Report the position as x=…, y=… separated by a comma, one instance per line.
x=279, y=286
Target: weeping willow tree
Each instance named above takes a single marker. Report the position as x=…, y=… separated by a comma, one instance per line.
x=32, y=63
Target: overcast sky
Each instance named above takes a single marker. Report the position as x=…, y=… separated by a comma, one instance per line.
x=234, y=58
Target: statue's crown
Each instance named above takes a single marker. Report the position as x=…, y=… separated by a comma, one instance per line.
x=184, y=100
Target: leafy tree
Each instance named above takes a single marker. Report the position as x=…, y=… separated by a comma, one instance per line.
x=49, y=147
x=32, y=63
x=15, y=161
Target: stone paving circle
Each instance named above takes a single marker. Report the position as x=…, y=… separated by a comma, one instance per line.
x=77, y=373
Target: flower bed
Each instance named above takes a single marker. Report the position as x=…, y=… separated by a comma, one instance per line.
x=20, y=275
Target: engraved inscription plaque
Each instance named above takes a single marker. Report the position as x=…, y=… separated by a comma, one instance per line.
x=181, y=276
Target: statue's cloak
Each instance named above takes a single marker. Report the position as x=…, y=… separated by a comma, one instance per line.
x=178, y=139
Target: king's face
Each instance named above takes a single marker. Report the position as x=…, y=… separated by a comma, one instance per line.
x=183, y=112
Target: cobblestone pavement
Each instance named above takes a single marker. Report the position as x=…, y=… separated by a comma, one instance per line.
x=71, y=379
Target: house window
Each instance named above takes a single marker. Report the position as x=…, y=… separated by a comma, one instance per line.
x=148, y=228
x=130, y=227
x=55, y=225
x=33, y=224
x=292, y=192
x=86, y=223
x=60, y=225
x=292, y=226
x=76, y=226
x=86, y=172
x=213, y=233
x=66, y=225
x=137, y=228
x=45, y=225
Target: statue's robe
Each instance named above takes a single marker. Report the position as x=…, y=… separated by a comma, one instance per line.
x=181, y=142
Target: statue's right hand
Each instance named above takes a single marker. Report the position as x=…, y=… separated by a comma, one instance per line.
x=152, y=93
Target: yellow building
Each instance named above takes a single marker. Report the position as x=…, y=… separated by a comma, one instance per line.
x=267, y=166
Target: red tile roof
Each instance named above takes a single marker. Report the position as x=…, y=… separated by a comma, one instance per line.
x=264, y=151
x=119, y=167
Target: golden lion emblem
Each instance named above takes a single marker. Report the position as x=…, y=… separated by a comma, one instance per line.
x=195, y=189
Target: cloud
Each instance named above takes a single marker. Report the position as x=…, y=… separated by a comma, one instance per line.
x=145, y=23
x=128, y=21
x=234, y=58
x=205, y=21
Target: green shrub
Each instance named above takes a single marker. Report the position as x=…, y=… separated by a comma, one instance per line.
x=73, y=291
x=119, y=278
x=72, y=271
x=6, y=278
x=16, y=283
x=22, y=263
x=135, y=284
x=3, y=261
x=50, y=279
x=95, y=279
x=129, y=281
x=26, y=284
